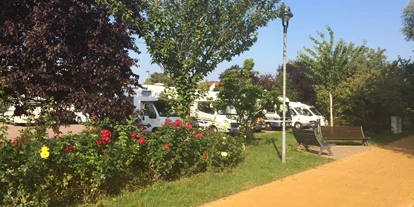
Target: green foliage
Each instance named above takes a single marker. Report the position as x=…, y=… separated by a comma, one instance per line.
x=329, y=62
x=102, y=160
x=189, y=38
x=374, y=93
x=237, y=90
x=408, y=21
x=160, y=78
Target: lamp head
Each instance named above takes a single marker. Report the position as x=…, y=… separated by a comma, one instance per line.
x=287, y=14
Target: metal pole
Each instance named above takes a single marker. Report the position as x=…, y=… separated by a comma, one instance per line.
x=284, y=96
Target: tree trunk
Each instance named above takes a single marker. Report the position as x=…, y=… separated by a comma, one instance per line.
x=331, y=108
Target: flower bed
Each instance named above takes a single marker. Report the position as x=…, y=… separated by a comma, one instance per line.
x=101, y=160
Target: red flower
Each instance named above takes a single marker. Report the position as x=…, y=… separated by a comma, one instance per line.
x=77, y=182
x=69, y=148
x=204, y=156
x=94, y=116
x=57, y=136
x=211, y=131
x=167, y=122
x=102, y=151
x=15, y=143
x=166, y=147
x=133, y=134
x=141, y=141
x=175, y=127
x=199, y=135
x=178, y=122
x=100, y=142
x=106, y=133
x=189, y=125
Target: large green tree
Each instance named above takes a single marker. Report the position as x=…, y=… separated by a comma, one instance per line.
x=76, y=52
x=373, y=93
x=188, y=38
x=408, y=21
x=330, y=63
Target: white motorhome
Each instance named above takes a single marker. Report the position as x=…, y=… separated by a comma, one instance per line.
x=274, y=117
x=154, y=109
x=300, y=118
x=315, y=114
x=203, y=111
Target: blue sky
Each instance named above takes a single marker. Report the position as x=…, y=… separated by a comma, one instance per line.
x=376, y=21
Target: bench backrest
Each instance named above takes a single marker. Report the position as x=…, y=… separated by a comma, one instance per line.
x=306, y=137
x=342, y=131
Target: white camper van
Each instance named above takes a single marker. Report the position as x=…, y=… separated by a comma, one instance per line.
x=154, y=109
x=274, y=117
x=300, y=118
x=223, y=121
x=315, y=114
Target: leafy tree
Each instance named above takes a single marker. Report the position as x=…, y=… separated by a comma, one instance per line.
x=74, y=52
x=266, y=81
x=160, y=78
x=329, y=63
x=237, y=90
x=189, y=38
x=407, y=69
x=299, y=85
x=371, y=95
x=408, y=21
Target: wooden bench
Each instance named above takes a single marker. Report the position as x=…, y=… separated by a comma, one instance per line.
x=344, y=133
x=309, y=137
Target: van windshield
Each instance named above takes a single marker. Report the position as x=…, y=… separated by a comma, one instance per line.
x=316, y=112
x=230, y=110
x=164, y=109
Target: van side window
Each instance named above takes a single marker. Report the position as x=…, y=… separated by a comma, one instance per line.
x=149, y=111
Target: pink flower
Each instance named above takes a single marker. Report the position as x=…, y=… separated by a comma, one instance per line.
x=178, y=122
x=204, y=156
x=166, y=147
x=133, y=134
x=141, y=141
x=189, y=126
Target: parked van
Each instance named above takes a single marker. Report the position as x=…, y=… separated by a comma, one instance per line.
x=313, y=112
x=154, y=109
x=300, y=118
x=207, y=117
x=274, y=116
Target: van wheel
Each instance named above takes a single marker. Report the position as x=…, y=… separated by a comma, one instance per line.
x=298, y=125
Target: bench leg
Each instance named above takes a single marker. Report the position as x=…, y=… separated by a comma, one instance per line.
x=365, y=142
x=320, y=151
x=330, y=152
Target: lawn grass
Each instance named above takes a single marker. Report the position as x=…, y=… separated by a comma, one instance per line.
x=262, y=165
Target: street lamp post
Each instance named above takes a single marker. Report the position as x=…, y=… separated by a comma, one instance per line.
x=286, y=15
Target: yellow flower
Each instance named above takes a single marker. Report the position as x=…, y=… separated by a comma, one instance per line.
x=224, y=138
x=224, y=154
x=45, y=149
x=244, y=146
x=44, y=154
x=94, y=136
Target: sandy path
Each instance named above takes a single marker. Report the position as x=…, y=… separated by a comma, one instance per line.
x=378, y=177
x=13, y=131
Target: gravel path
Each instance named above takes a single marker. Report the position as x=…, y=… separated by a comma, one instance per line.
x=381, y=176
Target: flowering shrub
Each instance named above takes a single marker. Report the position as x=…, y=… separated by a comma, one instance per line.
x=37, y=171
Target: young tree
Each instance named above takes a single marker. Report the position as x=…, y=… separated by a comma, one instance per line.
x=237, y=90
x=75, y=52
x=329, y=63
x=408, y=21
x=189, y=38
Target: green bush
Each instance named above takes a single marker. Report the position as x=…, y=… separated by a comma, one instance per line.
x=37, y=171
